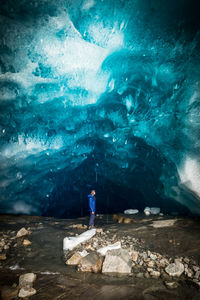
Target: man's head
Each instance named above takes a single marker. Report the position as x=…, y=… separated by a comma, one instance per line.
x=93, y=192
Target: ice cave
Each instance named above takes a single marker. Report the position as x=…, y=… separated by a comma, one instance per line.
x=99, y=94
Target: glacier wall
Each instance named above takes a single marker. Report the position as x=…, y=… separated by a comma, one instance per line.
x=99, y=94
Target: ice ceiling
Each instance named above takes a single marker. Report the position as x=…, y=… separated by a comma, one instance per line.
x=99, y=94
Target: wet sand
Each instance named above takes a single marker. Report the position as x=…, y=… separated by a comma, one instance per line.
x=56, y=280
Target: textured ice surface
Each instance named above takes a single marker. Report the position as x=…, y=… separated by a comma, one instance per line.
x=69, y=243
x=100, y=94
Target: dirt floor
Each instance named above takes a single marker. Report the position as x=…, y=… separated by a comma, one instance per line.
x=55, y=280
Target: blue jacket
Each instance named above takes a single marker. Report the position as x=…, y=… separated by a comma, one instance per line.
x=92, y=203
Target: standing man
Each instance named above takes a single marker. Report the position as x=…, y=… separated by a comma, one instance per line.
x=92, y=206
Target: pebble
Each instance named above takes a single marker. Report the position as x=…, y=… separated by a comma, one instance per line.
x=3, y=256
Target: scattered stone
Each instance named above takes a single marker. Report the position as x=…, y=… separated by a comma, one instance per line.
x=26, y=280
x=155, y=274
x=163, y=262
x=134, y=256
x=117, y=261
x=3, y=256
x=189, y=273
x=139, y=275
x=146, y=275
x=22, y=232
x=23, y=293
x=79, y=226
x=197, y=275
x=91, y=263
x=99, y=230
x=195, y=268
x=6, y=247
x=153, y=256
x=74, y=259
x=186, y=260
x=171, y=285
x=175, y=269
x=151, y=264
x=27, y=242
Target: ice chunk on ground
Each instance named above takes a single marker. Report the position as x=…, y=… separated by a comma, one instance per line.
x=155, y=210
x=69, y=243
x=104, y=250
x=147, y=211
x=131, y=211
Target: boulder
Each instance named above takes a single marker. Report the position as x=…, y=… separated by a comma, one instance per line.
x=23, y=293
x=117, y=261
x=26, y=280
x=22, y=232
x=175, y=269
x=91, y=263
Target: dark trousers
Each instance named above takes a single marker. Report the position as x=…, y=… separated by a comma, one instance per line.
x=92, y=217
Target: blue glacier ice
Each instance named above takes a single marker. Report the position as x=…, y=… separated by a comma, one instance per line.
x=99, y=94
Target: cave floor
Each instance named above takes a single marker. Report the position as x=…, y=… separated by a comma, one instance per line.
x=56, y=280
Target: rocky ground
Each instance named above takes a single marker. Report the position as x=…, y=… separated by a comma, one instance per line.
x=159, y=258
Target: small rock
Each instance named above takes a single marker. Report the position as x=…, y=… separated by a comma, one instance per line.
x=175, y=269
x=163, y=262
x=134, y=256
x=197, y=282
x=197, y=275
x=6, y=247
x=3, y=256
x=155, y=274
x=153, y=256
x=2, y=243
x=26, y=280
x=91, y=263
x=189, y=272
x=140, y=275
x=171, y=285
x=146, y=275
x=23, y=293
x=117, y=261
x=27, y=242
x=79, y=226
x=186, y=260
x=195, y=268
x=99, y=230
x=151, y=264
x=74, y=259
x=22, y=232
